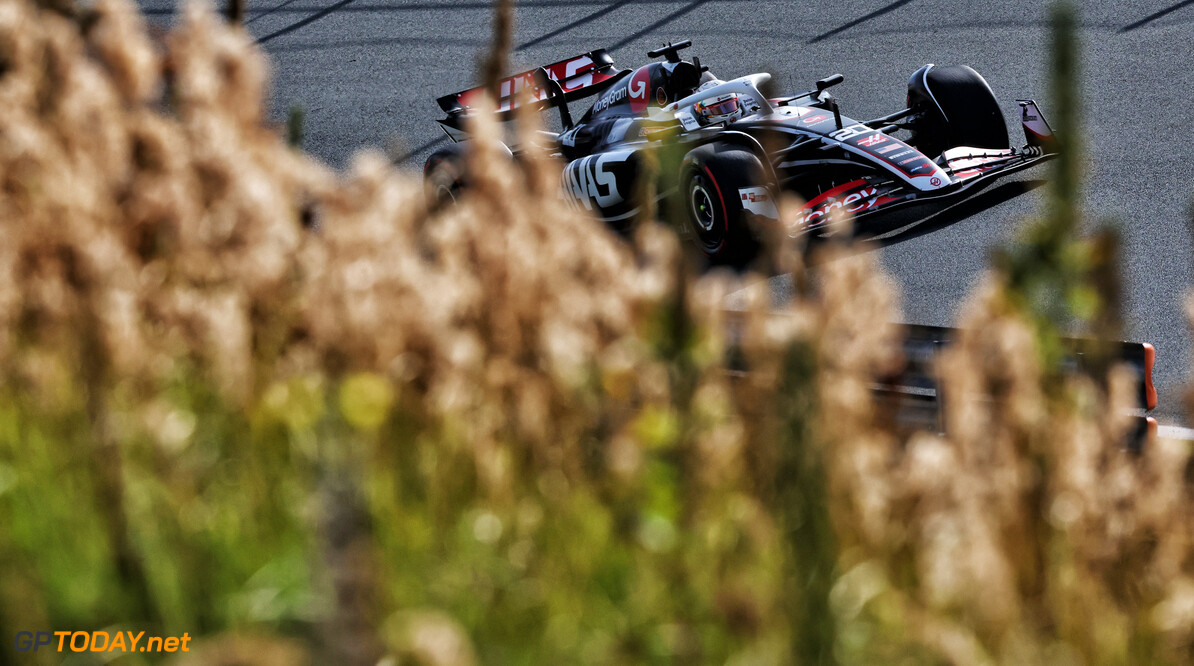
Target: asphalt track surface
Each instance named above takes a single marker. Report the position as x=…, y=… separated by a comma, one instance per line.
x=367, y=73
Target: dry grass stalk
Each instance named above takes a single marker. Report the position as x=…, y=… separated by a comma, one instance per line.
x=498, y=430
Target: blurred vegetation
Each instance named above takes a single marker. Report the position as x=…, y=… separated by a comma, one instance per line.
x=497, y=434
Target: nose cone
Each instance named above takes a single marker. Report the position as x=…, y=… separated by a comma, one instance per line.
x=935, y=180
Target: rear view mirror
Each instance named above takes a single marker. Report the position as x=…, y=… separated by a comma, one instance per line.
x=829, y=82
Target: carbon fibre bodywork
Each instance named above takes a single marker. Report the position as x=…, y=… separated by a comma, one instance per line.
x=803, y=142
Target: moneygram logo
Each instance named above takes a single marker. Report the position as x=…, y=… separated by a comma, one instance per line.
x=99, y=641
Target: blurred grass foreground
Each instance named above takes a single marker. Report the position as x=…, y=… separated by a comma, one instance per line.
x=498, y=434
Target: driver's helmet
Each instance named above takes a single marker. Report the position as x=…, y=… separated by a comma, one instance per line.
x=720, y=109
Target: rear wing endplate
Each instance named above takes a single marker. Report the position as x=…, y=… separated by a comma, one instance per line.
x=577, y=77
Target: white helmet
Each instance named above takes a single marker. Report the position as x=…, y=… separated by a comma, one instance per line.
x=720, y=109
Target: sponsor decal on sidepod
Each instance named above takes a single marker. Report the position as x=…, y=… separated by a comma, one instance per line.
x=758, y=200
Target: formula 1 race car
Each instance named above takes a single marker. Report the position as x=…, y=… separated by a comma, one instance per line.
x=722, y=151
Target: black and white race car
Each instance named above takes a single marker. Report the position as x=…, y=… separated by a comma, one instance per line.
x=722, y=151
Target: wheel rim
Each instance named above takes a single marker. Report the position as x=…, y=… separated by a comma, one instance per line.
x=704, y=215
x=445, y=194
x=702, y=207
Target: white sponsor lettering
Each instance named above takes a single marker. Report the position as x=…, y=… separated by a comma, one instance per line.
x=638, y=89
x=569, y=138
x=857, y=202
x=570, y=71
x=851, y=131
x=608, y=179
x=590, y=180
x=869, y=194
x=610, y=99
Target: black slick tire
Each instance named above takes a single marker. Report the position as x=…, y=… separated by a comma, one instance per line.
x=955, y=107
x=710, y=178
x=444, y=176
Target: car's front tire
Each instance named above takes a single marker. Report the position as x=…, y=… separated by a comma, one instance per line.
x=953, y=106
x=710, y=179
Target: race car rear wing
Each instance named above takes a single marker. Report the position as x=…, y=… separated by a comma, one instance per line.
x=552, y=85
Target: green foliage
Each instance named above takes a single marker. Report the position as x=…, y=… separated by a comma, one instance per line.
x=400, y=439
x=1062, y=280
x=295, y=131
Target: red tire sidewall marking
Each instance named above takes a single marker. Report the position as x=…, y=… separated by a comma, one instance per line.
x=725, y=215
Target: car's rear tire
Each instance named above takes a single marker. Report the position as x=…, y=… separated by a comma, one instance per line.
x=444, y=175
x=953, y=106
x=710, y=205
